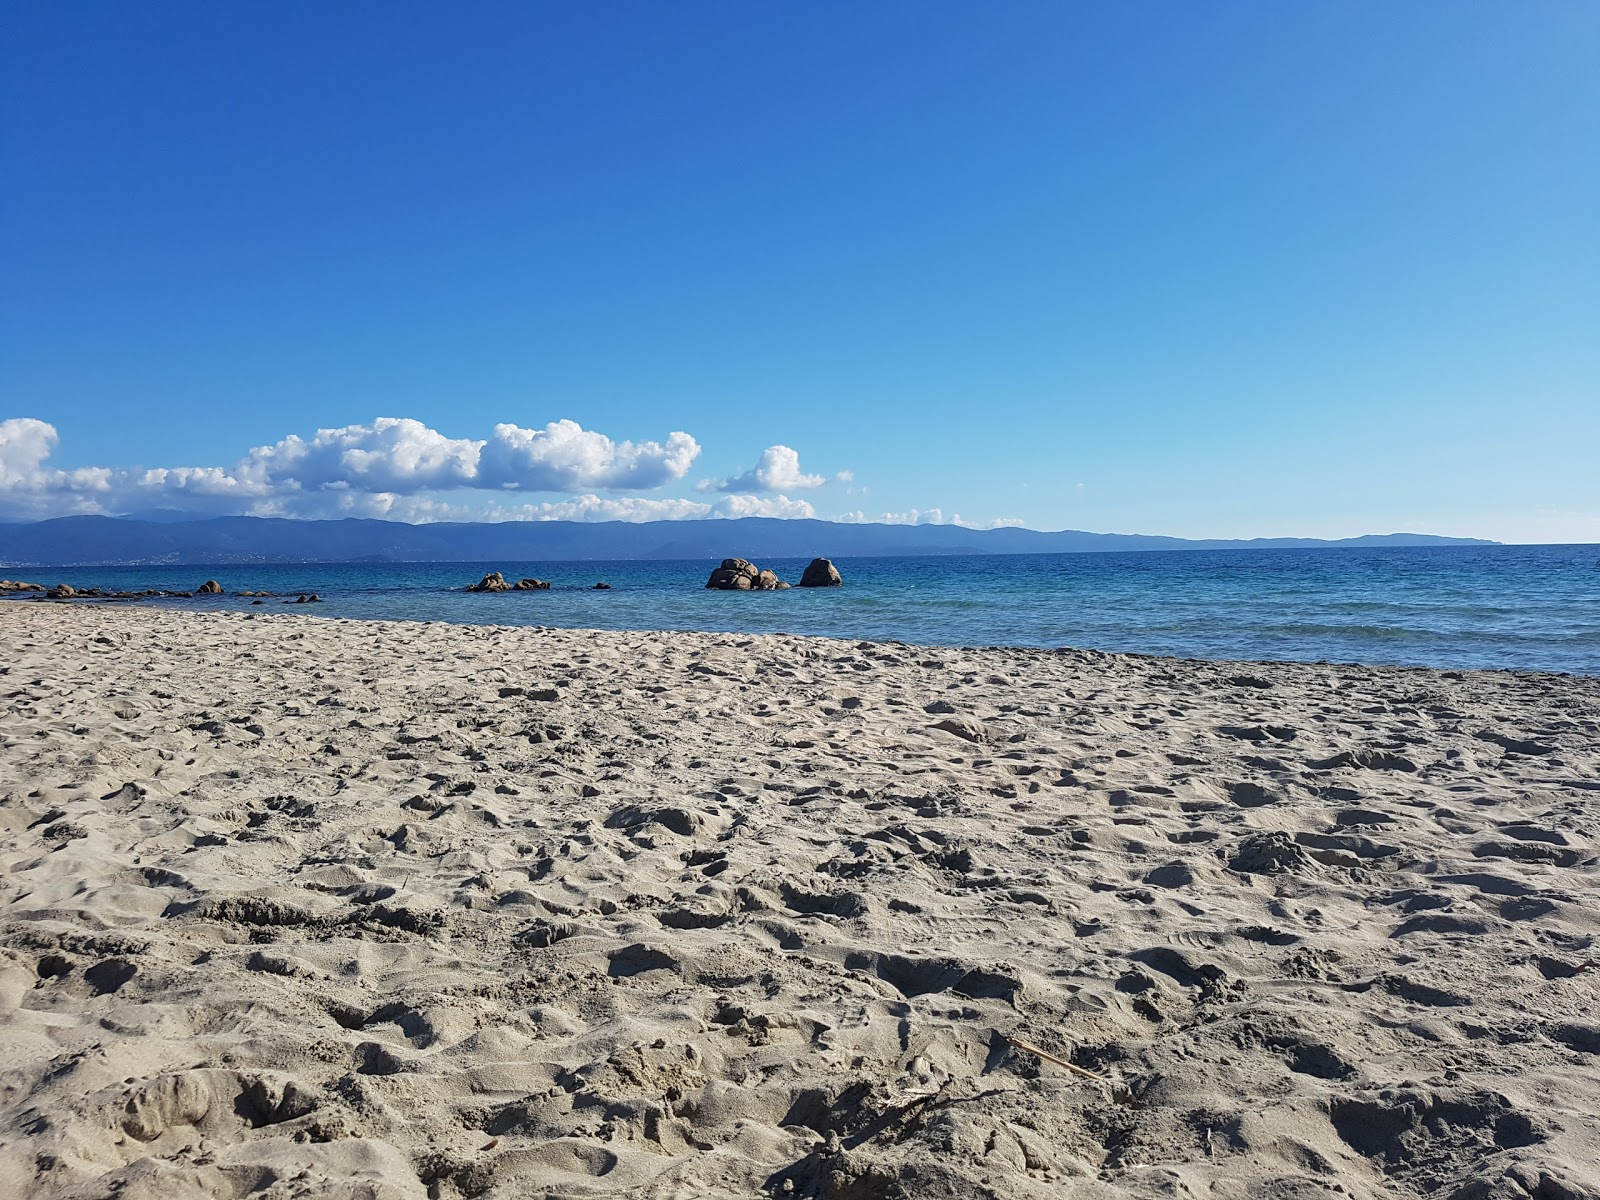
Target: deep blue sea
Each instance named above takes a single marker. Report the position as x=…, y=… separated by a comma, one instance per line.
x=1531, y=607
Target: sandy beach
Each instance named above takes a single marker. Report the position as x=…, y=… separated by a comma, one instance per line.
x=313, y=908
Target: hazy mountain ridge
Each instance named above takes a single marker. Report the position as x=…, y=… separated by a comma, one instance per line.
x=86, y=541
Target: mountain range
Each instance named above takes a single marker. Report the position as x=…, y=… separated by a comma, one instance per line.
x=93, y=540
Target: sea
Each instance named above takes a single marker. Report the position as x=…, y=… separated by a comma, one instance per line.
x=1514, y=607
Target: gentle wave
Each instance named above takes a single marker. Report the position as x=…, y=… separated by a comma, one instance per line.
x=1528, y=607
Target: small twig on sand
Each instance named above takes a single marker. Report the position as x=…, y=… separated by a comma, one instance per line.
x=1060, y=1062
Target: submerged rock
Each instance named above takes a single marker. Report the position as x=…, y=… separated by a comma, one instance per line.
x=531, y=585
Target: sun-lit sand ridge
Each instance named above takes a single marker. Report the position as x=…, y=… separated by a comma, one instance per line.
x=299, y=907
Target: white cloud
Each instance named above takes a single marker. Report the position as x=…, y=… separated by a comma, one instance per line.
x=762, y=506
x=394, y=468
x=914, y=516
x=598, y=508
x=778, y=470
x=352, y=470
x=393, y=454
x=927, y=516
x=565, y=457
x=25, y=443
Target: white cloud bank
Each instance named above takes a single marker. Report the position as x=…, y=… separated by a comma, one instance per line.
x=395, y=468
x=397, y=454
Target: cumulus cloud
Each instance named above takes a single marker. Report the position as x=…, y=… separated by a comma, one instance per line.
x=565, y=457
x=395, y=469
x=25, y=443
x=778, y=470
x=393, y=454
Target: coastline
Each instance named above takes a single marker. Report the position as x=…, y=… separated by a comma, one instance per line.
x=516, y=910
x=1519, y=608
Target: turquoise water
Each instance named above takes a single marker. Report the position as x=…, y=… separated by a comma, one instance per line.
x=1531, y=607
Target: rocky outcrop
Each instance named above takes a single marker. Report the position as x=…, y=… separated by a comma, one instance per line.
x=821, y=573
x=494, y=581
x=742, y=575
x=734, y=575
x=65, y=591
x=209, y=588
x=601, y=587
x=305, y=598
x=253, y=593
x=17, y=585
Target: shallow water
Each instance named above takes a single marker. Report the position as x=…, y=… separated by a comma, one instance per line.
x=1529, y=607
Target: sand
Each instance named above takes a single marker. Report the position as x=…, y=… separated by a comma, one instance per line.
x=297, y=907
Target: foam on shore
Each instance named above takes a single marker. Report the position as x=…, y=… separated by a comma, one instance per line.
x=374, y=909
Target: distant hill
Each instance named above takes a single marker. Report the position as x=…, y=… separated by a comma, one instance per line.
x=86, y=541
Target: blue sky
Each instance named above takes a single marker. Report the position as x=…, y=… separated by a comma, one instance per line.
x=1227, y=269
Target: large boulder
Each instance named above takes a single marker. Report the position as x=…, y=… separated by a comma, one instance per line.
x=209, y=588
x=531, y=585
x=492, y=582
x=821, y=572
x=768, y=581
x=734, y=575
x=62, y=591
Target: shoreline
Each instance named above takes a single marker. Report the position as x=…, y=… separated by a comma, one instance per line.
x=400, y=908
x=92, y=603
x=1535, y=610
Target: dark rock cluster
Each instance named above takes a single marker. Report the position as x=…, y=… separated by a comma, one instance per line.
x=496, y=582
x=65, y=591
x=742, y=575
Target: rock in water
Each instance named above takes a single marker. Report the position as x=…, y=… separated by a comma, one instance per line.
x=62, y=591
x=601, y=587
x=492, y=582
x=767, y=581
x=531, y=585
x=821, y=573
x=734, y=575
x=209, y=588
